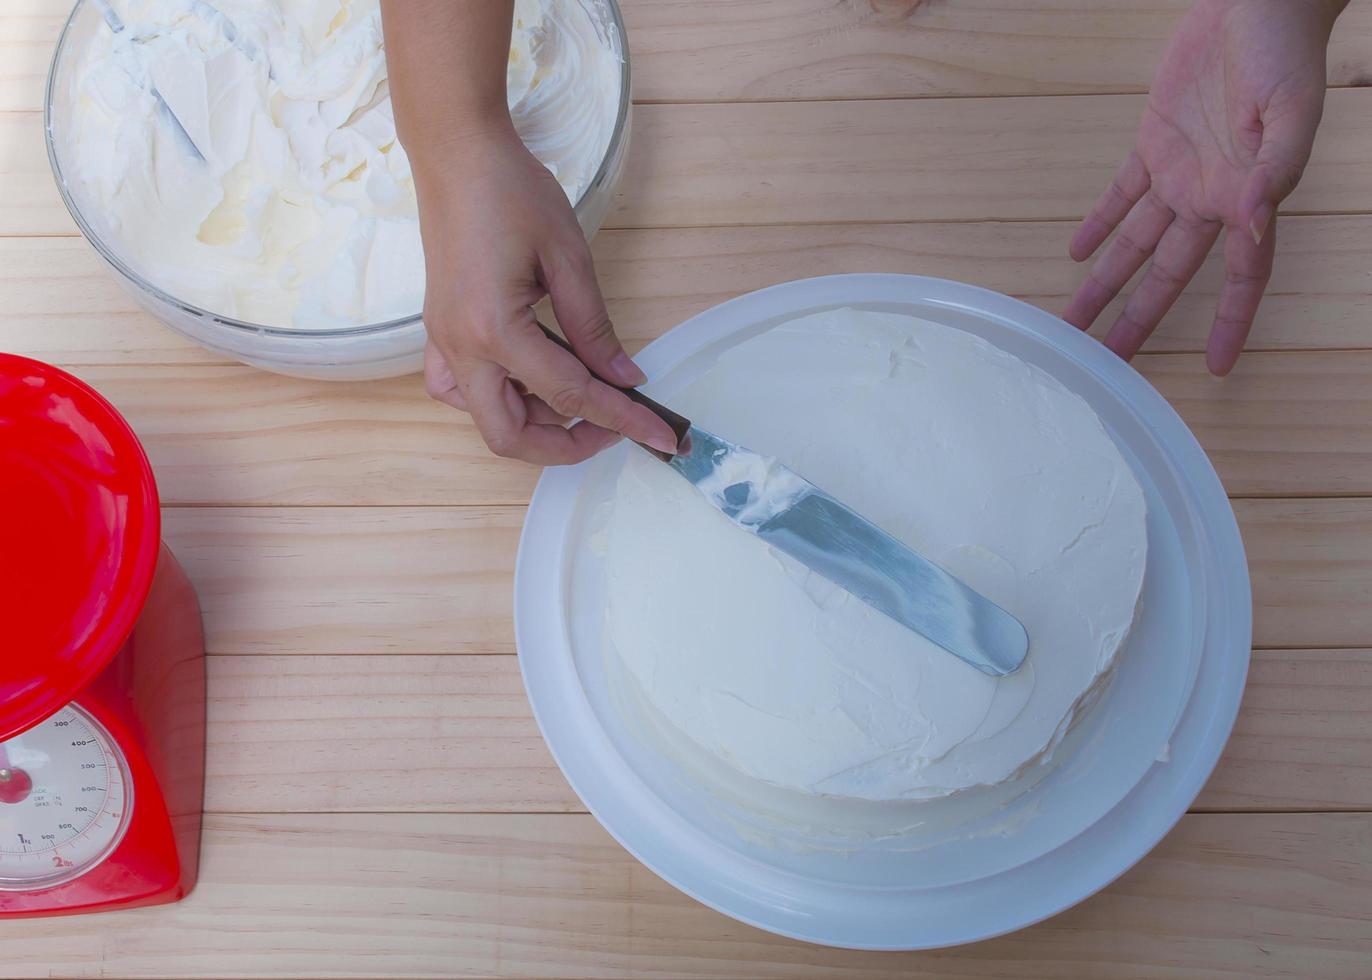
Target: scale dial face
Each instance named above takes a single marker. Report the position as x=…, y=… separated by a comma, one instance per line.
x=65, y=797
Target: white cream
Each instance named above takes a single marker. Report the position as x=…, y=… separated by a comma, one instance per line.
x=970, y=455
x=771, y=487
x=303, y=211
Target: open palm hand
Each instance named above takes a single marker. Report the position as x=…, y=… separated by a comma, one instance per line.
x=1226, y=133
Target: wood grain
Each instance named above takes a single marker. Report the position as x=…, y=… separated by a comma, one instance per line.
x=68, y=309
x=402, y=733
x=1285, y=424
x=923, y=159
x=852, y=49
x=784, y=143
x=28, y=34
x=316, y=895
x=350, y=579
x=29, y=201
x=439, y=579
x=236, y=435
x=1303, y=740
x=730, y=50
x=64, y=305
x=793, y=162
x=1320, y=294
x=1311, y=566
x=455, y=734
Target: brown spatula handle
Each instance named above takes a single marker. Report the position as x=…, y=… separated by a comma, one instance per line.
x=678, y=423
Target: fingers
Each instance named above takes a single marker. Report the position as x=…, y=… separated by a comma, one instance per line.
x=1247, y=268
x=1265, y=189
x=553, y=386
x=1128, y=185
x=564, y=383
x=1179, y=254
x=569, y=274
x=535, y=447
x=539, y=411
x=517, y=418
x=438, y=379
x=504, y=419
x=1138, y=236
x=1289, y=123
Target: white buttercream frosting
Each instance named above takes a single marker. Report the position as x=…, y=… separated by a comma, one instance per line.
x=975, y=458
x=303, y=211
x=771, y=487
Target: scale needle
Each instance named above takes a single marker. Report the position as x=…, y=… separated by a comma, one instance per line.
x=15, y=784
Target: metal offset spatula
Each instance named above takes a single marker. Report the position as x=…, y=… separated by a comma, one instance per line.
x=117, y=26
x=211, y=14
x=796, y=517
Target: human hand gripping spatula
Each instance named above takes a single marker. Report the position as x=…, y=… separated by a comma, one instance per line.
x=797, y=518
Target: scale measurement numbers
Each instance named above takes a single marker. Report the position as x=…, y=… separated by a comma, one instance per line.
x=63, y=800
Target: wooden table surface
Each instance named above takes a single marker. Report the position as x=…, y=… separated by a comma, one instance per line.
x=379, y=799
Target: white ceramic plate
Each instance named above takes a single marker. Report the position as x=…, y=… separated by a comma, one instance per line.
x=907, y=876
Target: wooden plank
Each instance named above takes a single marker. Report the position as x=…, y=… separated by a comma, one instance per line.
x=1311, y=566
x=63, y=304
x=367, y=733
x=28, y=34
x=455, y=734
x=959, y=159
x=791, y=162
x=1286, y=424
x=851, y=49
x=439, y=579
x=350, y=579
x=1320, y=295
x=553, y=896
x=1303, y=740
x=235, y=435
x=819, y=49
x=68, y=309
x=29, y=201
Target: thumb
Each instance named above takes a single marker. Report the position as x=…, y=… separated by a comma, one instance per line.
x=1288, y=133
x=569, y=275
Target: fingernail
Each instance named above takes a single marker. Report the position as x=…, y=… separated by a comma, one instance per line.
x=626, y=372
x=1262, y=217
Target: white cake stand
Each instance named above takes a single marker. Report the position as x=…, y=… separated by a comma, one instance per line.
x=1123, y=778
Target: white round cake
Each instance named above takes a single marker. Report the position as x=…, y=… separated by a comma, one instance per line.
x=978, y=460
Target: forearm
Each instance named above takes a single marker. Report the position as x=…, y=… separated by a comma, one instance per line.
x=447, y=62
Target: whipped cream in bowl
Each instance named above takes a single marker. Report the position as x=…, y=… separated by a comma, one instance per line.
x=236, y=164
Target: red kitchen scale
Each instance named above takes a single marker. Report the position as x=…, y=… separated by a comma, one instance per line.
x=102, y=681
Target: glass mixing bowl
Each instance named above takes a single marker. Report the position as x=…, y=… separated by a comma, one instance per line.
x=370, y=350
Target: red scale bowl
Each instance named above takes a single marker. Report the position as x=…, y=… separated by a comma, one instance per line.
x=100, y=616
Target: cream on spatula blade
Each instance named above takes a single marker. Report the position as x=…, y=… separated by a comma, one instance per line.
x=791, y=514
